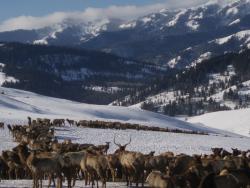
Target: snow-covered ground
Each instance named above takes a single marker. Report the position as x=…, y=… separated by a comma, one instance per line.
x=17, y=105
x=237, y=121
x=28, y=184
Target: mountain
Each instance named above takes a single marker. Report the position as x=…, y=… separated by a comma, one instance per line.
x=218, y=84
x=82, y=75
x=175, y=38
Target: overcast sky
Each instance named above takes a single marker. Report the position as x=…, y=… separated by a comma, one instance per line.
x=34, y=14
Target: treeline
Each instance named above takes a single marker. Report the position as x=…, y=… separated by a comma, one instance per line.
x=193, y=90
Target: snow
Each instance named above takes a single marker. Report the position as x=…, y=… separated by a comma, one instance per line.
x=235, y=22
x=16, y=105
x=28, y=183
x=146, y=19
x=173, y=62
x=223, y=40
x=103, y=89
x=128, y=25
x=237, y=121
x=41, y=41
x=204, y=56
x=232, y=10
x=176, y=18
x=242, y=35
x=194, y=25
x=4, y=78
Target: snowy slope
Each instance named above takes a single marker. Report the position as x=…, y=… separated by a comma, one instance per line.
x=237, y=121
x=16, y=105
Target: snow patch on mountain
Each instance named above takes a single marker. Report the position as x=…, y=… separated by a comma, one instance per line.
x=174, y=21
x=204, y=56
x=194, y=25
x=235, y=22
x=232, y=10
x=4, y=78
x=128, y=25
x=173, y=62
x=242, y=35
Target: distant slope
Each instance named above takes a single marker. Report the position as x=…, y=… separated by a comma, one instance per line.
x=16, y=105
x=237, y=121
x=72, y=73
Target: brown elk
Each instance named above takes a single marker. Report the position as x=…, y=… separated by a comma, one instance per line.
x=132, y=163
x=159, y=180
x=1, y=125
x=58, y=122
x=70, y=122
x=44, y=166
x=114, y=165
x=104, y=148
x=96, y=166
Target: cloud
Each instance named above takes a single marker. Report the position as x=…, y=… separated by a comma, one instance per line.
x=91, y=14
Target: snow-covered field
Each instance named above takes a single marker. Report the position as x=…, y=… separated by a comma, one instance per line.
x=237, y=121
x=28, y=184
x=16, y=105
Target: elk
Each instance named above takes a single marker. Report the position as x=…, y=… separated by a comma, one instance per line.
x=10, y=128
x=58, y=122
x=114, y=165
x=132, y=163
x=29, y=121
x=159, y=180
x=104, y=148
x=1, y=125
x=44, y=166
x=12, y=160
x=70, y=122
x=96, y=166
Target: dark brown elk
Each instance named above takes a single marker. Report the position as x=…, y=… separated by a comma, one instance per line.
x=132, y=163
x=236, y=152
x=1, y=125
x=156, y=163
x=181, y=164
x=12, y=160
x=225, y=181
x=23, y=153
x=58, y=122
x=10, y=129
x=70, y=122
x=44, y=166
x=104, y=148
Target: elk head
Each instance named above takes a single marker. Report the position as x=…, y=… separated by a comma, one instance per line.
x=121, y=147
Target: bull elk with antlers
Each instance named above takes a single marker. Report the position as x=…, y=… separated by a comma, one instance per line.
x=132, y=163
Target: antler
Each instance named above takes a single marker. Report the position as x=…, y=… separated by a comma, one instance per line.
x=119, y=145
x=128, y=142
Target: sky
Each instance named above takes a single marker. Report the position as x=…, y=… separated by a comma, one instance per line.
x=34, y=14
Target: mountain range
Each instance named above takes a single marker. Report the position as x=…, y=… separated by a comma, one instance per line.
x=174, y=38
x=179, y=55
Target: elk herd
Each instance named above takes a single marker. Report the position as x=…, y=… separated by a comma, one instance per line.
x=40, y=156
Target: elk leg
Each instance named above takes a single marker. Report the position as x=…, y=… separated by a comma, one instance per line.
x=49, y=183
x=113, y=175
x=41, y=183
